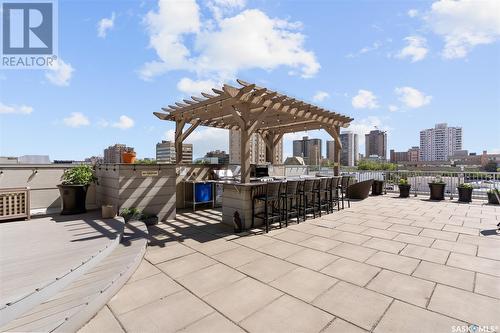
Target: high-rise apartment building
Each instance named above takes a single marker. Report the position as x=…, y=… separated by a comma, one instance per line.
x=309, y=149
x=221, y=156
x=437, y=143
x=257, y=149
x=414, y=154
x=376, y=144
x=349, y=153
x=165, y=152
x=398, y=156
x=330, y=150
x=113, y=154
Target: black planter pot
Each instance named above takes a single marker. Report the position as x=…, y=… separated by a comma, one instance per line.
x=464, y=194
x=437, y=191
x=404, y=191
x=150, y=220
x=73, y=198
x=492, y=199
x=377, y=187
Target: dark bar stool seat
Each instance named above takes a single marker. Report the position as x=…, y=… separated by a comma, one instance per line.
x=289, y=196
x=344, y=184
x=269, y=195
x=334, y=192
x=310, y=195
x=320, y=191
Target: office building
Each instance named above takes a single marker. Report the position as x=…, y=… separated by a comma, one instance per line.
x=398, y=156
x=257, y=149
x=308, y=149
x=165, y=152
x=34, y=159
x=330, y=150
x=217, y=157
x=440, y=142
x=414, y=154
x=113, y=154
x=376, y=144
x=349, y=155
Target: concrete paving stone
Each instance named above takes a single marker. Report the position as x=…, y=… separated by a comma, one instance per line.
x=242, y=298
x=406, y=229
x=304, y=283
x=213, y=323
x=488, y=252
x=287, y=314
x=144, y=270
x=254, y=241
x=425, y=253
x=477, y=264
x=136, y=294
x=210, y=279
x=216, y=246
x=402, y=287
x=407, y=318
x=377, y=224
x=358, y=305
x=384, y=245
x=393, y=262
x=455, y=247
x=354, y=252
x=302, y=227
x=416, y=240
x=238, y=256
x=320, y=243
x=350, y=237
x=267, y=268
x=466, y=306
x=398, y=220
x=315, y=260
x=185, y=265
x=168, y=314
x=323, y=232
x=443, y=274
x=351, y=271
x=293, y=236
x=487, y=285
x=386, y=234
x=280, y=249
x=342, y=326
x=428, y=225
x=354, y=228
x=462, y=230
x=490, y=241
x=353, y=219
x=157, y=254
x=444, y=235
x=104, y=321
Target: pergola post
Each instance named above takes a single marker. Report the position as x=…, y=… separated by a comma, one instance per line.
x=179, y=126
x=245, y=156
x=336, y=153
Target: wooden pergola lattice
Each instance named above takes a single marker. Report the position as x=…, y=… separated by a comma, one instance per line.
x=252, y=109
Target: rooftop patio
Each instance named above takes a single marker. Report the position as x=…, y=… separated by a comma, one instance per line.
x=384, y=265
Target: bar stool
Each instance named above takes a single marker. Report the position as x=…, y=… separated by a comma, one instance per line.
x=299, y=203
x=344, y=184
x=334, y=192
x=320, y=191
x=288, y=196
x=310, y=196
x=269, y=194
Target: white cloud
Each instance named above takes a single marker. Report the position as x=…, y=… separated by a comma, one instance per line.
x=413, y=12
x=464, y=24
x=15, y=109
x=60, y=73
x=412, y=97
x=365, y=99
x=105, y=24
x=364, y=126
x=124, y=123
x=205, y=139
x=192, y=87
x=76, y=119
x=393, y=108
x=320, y=96
x=416, y=49
x=375, y=46
x=224, y=46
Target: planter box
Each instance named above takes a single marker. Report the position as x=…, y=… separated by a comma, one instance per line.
x=464, y=194
x=377, y=187
x=437, y=191
x=404, y=191
x=73, y=199
x=492, y=199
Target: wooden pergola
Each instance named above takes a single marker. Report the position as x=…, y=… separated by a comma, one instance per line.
x=252, y=109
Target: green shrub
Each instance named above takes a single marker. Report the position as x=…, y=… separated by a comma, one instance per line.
x=80, y=175
x=403, y=181
x=465, y=185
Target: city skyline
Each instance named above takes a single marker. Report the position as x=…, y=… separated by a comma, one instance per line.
x=396, y=71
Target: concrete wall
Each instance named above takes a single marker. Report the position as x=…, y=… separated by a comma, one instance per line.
x=42, y=179
x=148, y=187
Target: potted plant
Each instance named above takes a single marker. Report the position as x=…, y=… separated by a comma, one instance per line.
x=131, y=214
x=493, y=196
x=128, y=156
x=73, y=189
x=464, y=192
x=404, y=188
x=437, y=187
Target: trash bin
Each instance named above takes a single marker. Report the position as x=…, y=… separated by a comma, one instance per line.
x=203, y=192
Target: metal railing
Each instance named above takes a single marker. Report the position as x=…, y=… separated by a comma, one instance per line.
x=481, y=182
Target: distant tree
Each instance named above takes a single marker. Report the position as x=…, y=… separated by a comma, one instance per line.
x=491, y=166
x=375, y=165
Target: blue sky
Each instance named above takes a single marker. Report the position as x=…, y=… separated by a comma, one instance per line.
x=399, y=65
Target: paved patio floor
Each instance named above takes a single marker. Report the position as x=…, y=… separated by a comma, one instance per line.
x=383, y=265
